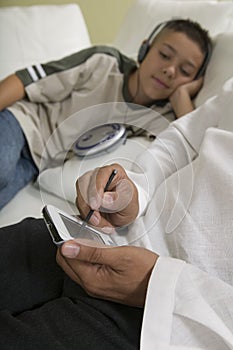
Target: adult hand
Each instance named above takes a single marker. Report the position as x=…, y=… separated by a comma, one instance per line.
x=116, y=207
x=181, y=98
x=119, y=274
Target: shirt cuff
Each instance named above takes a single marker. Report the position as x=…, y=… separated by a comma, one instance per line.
x=160, y=300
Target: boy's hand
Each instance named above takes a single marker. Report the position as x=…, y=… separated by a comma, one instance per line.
x=193, y=87
x=119, y=274
x=181, y=98
x=114, y=208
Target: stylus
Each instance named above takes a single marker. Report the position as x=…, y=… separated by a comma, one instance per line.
x=87, y=218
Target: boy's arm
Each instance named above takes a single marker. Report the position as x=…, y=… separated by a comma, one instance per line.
x=11, y=90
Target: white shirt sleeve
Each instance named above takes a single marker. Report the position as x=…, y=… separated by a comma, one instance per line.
x=173, y=149
x=186, y=309
x=166, y=155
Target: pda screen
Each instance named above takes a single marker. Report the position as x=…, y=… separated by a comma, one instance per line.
x=78, y=231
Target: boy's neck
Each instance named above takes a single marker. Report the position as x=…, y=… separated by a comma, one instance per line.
x=135, y=90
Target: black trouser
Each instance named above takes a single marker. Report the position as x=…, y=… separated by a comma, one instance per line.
x=42, y=308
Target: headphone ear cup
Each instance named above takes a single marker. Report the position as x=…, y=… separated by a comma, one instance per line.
x=205, y=63
x=144, y=48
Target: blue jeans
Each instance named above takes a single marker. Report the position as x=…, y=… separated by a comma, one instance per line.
x=17, y=167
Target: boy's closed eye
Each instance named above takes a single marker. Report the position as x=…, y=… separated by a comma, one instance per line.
x=185, y=72
x=164, y=55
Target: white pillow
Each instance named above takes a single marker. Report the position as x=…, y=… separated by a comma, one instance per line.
x=36, y=34
x=220, y=68
x=144, y=15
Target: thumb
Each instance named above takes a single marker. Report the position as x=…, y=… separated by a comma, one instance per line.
x=91, y=254
x=70, y=249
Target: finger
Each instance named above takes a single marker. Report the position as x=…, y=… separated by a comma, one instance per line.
x=62, y=262
x=97, y=269
x=98, y=220
x=90, y=194
x=200, y=79
x=76, y=272
x=89, y=243
x=90, y=189
x=120, y=199
x=104, y=255
x=196, y=85
x=82, y=185
x=98, y=199
x=79, y=271
x=98, y=181
x=82, y=202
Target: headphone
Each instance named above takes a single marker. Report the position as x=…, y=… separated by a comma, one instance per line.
x=145, y=46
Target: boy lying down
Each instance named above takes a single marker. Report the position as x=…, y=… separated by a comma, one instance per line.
x=35, y=101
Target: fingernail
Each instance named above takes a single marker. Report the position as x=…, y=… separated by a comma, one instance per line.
x=94, y=219
x=108, y=198
x=70, y=250
x=93, y=203
x=108, y=230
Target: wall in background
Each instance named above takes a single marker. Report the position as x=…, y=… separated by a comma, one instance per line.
x=103, y=17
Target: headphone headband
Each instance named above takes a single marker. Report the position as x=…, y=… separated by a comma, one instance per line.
x=144, y=48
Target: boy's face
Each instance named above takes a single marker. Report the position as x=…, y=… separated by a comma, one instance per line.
x=173, y=60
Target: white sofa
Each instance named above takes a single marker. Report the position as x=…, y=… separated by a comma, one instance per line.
x=28, y=35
